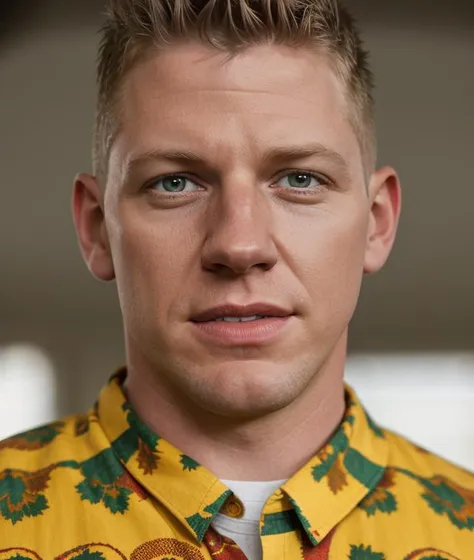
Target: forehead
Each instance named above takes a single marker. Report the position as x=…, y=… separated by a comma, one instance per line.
x=264, y=96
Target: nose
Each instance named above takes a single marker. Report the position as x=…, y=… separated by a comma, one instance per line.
x=240, y=235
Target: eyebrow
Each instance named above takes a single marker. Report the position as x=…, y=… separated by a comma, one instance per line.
x=283, y=154
x=289, y=153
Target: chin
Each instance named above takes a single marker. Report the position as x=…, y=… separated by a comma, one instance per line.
x=249, y=409
x=250, y=390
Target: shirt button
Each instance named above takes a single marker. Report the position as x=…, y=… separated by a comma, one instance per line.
x=233, y=508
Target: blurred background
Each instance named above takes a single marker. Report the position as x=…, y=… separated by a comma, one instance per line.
x=412, y=340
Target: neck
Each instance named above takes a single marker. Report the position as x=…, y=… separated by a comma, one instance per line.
x=273, y=447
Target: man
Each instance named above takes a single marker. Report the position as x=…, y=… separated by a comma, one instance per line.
x=236, y=203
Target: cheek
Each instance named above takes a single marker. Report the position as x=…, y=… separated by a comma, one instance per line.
x=149, y=263
x=331, y=264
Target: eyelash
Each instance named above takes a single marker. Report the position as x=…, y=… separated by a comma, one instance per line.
x=325, y=182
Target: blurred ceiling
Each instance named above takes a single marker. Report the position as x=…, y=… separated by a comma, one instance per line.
x=14, y=16
x=423, y=56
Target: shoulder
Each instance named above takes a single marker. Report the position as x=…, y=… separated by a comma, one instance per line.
x=421, y=491
x=38, y=465
x=53, y=443
x=438, y=490
x=411, y=457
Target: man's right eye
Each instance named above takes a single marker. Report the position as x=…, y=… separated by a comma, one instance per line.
x=172, y=184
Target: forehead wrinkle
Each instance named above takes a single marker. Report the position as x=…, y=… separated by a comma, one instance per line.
x=292, y=101
x=242, y=79
x=291, y=107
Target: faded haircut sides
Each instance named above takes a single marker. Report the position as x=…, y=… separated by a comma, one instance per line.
x=134, y=27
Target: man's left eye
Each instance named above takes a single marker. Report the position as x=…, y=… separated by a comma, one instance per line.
x=300, y=180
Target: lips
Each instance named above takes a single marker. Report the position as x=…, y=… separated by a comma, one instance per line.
x=230, y=310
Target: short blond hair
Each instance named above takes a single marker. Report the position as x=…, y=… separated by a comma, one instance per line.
x=133, y=27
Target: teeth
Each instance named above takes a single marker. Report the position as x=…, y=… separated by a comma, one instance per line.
x=246, y=319
x=240, y=319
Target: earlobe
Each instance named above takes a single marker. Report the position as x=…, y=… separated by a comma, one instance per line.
x=385, y=197
x=91, y=232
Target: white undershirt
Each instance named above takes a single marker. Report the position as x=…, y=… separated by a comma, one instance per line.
x=245, y=531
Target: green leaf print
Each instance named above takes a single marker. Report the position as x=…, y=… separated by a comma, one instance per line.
x=365, y=553
x=116, y=500
x=91, y=490
x=36, y=438
x=329, y=455
x=20, y=494
x=87, y=555
x=188, y=463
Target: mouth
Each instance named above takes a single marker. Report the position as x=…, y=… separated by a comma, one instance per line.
x=229, y=313
x=242, y=319
x=251, y=325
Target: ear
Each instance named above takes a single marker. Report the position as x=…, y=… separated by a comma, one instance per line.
x=88, y=213
x=385, y=201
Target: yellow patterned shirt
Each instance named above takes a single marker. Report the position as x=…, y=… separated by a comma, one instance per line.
x=103, y=486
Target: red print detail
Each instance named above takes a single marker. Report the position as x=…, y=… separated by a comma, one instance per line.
x=222, y=548
x=166, y=547
x=10, y=552
x=319, y=552
x=93, y=547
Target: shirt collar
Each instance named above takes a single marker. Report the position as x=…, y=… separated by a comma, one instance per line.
x=341, y=474
x=317, y=497
x=187, y=489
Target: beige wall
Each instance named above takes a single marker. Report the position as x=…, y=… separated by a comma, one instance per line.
x=425, y=92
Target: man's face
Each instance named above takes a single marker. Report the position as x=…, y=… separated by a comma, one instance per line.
x=238, y=225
